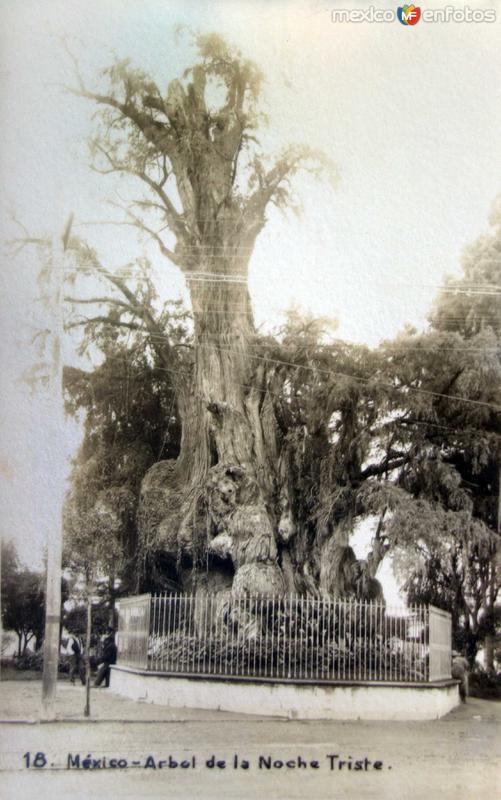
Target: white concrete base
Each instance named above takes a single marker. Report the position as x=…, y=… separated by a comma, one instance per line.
x=348, y=701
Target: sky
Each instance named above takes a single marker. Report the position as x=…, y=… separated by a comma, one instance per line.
x=410, y=115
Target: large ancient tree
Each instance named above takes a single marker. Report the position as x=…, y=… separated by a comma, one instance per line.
x=287, y=442
x=195, y=151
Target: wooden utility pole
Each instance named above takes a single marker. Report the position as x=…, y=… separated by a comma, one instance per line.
x=499, y=496
x=489, y=643
x=55, y=535
x=87, y=649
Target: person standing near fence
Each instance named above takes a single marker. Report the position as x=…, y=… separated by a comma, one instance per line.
x=109, y=657
x=77, y=666
x=459, y=671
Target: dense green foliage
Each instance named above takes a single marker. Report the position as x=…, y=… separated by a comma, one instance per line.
x=405, y=437
x=23, y=600
x=457, y=564
x=389, y=433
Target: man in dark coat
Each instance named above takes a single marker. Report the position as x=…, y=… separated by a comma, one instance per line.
x=109, y=657
x=77, y=663
x=459, y=671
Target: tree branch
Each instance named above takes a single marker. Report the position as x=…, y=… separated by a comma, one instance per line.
x=385, y=466
x=154, y=132
x=132, y=306
x=100, y=300
x=174, y=219
x=107, y=321
x=138, y=223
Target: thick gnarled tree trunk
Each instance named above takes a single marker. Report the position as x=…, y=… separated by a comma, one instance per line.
x=230, y=496
x=227, y=464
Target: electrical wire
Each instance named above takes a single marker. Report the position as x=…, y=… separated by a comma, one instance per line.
x=336, y=373
x=402, y=422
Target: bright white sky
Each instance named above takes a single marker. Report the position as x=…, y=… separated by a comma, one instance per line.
x=412, y=117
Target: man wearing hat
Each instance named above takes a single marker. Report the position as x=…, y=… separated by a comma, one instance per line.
x=74, y=649
x=109, y=657
x=459, y=671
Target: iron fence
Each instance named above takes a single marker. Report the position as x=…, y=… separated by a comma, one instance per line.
x=286, y=637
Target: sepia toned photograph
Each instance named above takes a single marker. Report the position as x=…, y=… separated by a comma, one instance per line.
x=250, y=420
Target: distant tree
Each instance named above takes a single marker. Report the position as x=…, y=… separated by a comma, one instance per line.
x=470, y=304
x=9, y=570
x=23, y=600
x=10, y=565
x=456, y=445
x=75, y=620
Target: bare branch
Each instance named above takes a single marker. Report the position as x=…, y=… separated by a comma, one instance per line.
x=101, y=300
x=138, y=223
x=174, y=219
x=140, y=310
x=107, y=321
x=154, y=132
x=385, y=466
x=19, y=244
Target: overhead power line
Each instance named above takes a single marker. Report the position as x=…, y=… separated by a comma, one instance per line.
x=215, y=277
x=279, y=396
x=404, y=389
x=337, y=373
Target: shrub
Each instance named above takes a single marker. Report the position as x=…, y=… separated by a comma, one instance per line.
x=34, y=662
x=485, y=685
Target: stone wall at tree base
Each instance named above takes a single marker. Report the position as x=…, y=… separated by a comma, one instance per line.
x=293, y=700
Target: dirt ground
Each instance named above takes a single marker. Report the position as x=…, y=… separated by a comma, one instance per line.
x=118, y=753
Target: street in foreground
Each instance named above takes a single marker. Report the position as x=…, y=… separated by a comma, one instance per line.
x=135, y=750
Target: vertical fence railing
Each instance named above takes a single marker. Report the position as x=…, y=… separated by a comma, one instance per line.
x=133, y=637
x=439, y=644
x=286, y=637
